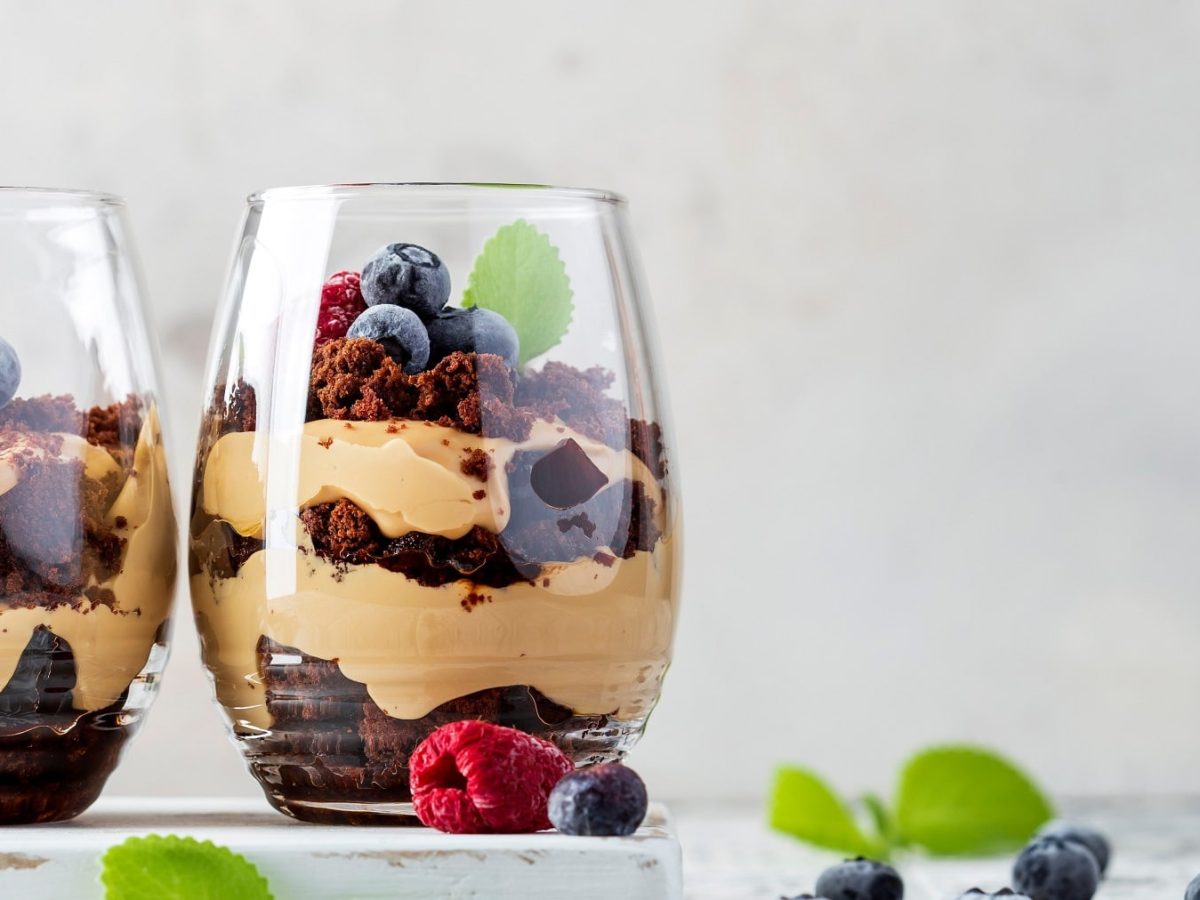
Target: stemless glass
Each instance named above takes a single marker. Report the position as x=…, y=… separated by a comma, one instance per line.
x=87, y=530
x=445, y=515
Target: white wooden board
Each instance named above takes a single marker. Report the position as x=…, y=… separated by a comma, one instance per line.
x=304, y=861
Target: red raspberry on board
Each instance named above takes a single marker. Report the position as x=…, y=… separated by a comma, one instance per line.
x=341, y=303
x=472, y=777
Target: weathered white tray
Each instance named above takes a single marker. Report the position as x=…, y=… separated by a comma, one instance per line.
x=304, y=861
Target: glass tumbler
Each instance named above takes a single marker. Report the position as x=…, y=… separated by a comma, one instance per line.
x=432, y=484
x=87, y=530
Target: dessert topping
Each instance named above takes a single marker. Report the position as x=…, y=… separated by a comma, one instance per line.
x=520, y=275
x=401, y=333
x=408, y=276
x=473, y=330
x=341, y=303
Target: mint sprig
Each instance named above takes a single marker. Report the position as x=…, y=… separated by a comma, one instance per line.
x=950, y=801
x=168, y=867
x=520, y=275
x=958, y=800
x=806, y=807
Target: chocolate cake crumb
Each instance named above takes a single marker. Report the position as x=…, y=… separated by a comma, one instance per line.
x=56, y=545
x=646, y=443
x=473, y=599
x=115, y=427
x=42, y=414
x=236, y=409
x=344, y=534
x=478, y=464
x=577, y=397
x=341, y=529
x=479, y=495
x=470, y=390
x=330, y=741
x=325, y=442
x=354, y=378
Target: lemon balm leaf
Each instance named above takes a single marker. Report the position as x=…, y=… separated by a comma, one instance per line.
x=960, y=800
x=168, y=867
x=804, y=806
x=520, y=275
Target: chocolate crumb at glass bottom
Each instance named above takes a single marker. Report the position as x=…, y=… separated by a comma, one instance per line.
x=54, y=761
x=332, y=752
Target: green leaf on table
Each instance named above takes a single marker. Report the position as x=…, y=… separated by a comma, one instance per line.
x=881, y=818
x=959, y=800
x=167, y=867
x=805, y=807
x=520, y=275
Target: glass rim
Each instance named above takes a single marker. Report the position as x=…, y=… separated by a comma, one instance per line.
x=347, y=190
x=52, y=196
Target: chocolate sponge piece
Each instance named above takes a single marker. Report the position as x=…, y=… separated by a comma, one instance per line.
x=330, y=742
x=54, y=760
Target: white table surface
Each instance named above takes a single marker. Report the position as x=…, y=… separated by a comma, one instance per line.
x=729, y=854
x=314, y=862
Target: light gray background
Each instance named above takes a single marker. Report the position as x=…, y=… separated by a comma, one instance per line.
x=926, y=278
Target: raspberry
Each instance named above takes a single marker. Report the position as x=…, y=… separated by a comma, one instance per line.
x=341, y=303
x=473, y=777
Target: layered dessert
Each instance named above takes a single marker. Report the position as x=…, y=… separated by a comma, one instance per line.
x=87, y=567
x=448, y=535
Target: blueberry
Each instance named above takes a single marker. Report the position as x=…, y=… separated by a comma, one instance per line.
x=399, y=330
x=474, y=330
x=608, y=800
x=980, y=894
x=1087, y=837
x=10, y=372
x=409, y=276
x=1193, y=890
x=860, y=879
x=1053, y=869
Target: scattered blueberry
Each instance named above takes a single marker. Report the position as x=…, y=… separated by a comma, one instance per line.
x=1193, y=890
x=409, y=276
x=860, y=879
x=1087, y=837
x=1053, y=869
x=399, y=330
x=10, y=372
x=978, y=893
x=609, y=800
x=472, y=329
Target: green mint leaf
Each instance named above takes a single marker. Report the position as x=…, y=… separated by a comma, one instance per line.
x=520, y=275
x=885, y=826
x=158, y=867
x=804, y=806
x=958, y=800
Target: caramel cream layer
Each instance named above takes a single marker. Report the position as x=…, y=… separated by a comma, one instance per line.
x=110, y=646
x=594, y=638
x=406, y=476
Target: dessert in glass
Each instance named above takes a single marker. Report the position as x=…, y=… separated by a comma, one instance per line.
x=87, y=529
x=432, y=484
